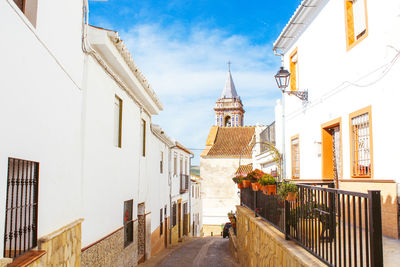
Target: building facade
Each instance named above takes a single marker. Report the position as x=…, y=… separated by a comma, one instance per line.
x=41, y=159
x=180, y=192
x=345, y=53
x=86, y=177
x=196, y=206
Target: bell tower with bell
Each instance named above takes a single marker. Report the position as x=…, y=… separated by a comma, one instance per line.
x=229, y=108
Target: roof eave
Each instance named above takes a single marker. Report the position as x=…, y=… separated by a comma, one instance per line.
x=296, y=24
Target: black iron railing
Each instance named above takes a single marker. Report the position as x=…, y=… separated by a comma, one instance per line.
x=341, y=228
x=20, y=232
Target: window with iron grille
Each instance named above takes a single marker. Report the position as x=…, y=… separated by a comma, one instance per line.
x=128, y=222
x=161, y=221
x=361, y=143
x=295, y=157
x=20, y=234
x=173, y=214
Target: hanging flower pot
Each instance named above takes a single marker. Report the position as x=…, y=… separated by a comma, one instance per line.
x=291, y=196
x=256, y=186
x=246, y=183
x=264, y=188
x=240, y=185
x=271, y=189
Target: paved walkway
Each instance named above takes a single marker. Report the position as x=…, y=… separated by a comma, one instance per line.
x=199, y=252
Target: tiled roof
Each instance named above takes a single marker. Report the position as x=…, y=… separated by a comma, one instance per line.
x=229, y=142
x=245, y=169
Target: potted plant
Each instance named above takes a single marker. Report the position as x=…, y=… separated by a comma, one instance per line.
x=246, y=182
x=288, y=191
x=254, y=177
x=239, y=181
x=270, y=184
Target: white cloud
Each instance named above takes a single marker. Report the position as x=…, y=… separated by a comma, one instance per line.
x=187, y=69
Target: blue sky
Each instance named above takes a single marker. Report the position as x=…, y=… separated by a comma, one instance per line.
x=182, y=47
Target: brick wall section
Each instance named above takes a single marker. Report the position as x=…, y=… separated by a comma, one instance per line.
x=260, y=244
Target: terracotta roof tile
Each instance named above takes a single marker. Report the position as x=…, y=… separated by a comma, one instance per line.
x=245, y=169
x=231, y=142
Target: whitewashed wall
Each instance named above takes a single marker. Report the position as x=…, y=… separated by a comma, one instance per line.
x=220, y=194
x=158, y=195
x=329, y=71
x=175, y=179
x=111, y=174
x=41, y=107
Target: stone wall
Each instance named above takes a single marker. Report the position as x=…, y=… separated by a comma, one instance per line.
x=63, y=247
x=261, y=245
x=60, y=248
x=110, y=251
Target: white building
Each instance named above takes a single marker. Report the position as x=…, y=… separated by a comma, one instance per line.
x=180, y=185
x=86, y=177
x=119, y=152
x=345, y=53
x=41, y=137
x=196, y=206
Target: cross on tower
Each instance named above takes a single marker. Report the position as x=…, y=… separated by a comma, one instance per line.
x=229, y=65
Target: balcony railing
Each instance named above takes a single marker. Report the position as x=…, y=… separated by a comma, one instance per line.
x=184, y=183
x=341, y=228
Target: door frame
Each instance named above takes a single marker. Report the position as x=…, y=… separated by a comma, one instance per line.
x=327, y=150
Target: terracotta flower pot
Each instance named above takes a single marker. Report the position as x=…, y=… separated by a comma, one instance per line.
x=256, y=186
x=291, y=196
x=271, y=189
x=246, y=183
x=240, y=185
x=264, y=189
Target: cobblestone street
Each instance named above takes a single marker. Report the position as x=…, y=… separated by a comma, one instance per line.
x=202, y=252
x=209, y=251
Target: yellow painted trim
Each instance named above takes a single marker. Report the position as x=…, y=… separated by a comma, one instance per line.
x=352, y=115
x=325, y=169
x=292, y=68
x=291, y=156
x=349, y=25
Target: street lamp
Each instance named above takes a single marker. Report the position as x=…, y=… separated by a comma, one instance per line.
x=282, y=80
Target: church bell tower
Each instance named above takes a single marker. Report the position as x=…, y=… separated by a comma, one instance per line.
x=229, y=108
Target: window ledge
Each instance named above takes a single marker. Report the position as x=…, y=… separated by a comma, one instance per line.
x=27, y=258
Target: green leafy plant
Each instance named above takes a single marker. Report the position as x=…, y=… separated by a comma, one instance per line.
x=267, y=179
x=255, y=175
x=285, y=188
x=237, y=179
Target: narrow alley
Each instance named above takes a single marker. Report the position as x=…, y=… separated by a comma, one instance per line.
x=201, y=252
